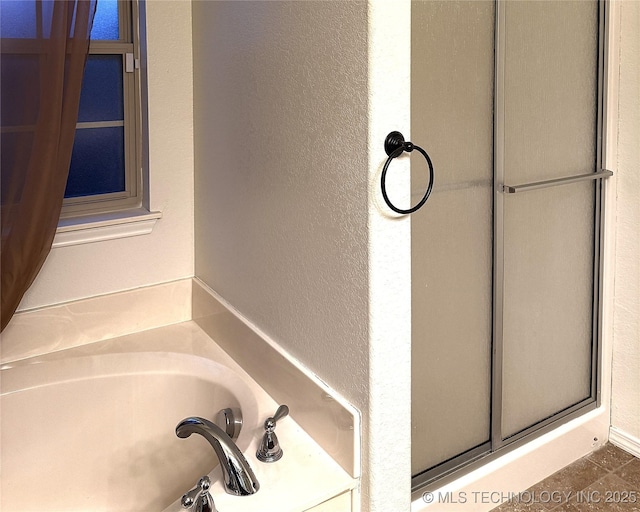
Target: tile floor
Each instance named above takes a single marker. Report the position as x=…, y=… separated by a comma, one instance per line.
x=606, y=480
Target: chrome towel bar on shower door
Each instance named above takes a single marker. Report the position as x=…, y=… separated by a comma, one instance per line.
x=509, y=189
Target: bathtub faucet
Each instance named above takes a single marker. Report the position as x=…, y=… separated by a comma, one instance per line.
x=238, y=477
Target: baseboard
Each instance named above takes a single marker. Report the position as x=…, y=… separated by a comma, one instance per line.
x=625, y=441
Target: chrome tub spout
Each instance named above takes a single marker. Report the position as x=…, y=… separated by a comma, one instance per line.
x=238, y=476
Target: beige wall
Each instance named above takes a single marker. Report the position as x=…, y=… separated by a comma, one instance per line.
x=166, y=254
x=289, y=99
x=280, y=116
x=626, y=344
x=280, y=98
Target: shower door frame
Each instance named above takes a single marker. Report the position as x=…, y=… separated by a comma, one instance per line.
x=497, y=445
x=592, y=401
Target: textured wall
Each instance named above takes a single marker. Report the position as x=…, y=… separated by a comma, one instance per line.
x=389, y=418
x=280, y=112
x=166, y=254
x=388, y=434
x=626, y=344
x=288, y=224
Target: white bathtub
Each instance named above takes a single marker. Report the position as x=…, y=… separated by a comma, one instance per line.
x=97, y=432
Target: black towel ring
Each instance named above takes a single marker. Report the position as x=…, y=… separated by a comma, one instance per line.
x=394, y=146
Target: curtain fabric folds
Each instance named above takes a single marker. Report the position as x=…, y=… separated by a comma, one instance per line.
x=43, y=60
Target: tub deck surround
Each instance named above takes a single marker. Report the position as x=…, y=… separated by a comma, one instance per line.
x=332, y=422
x=305, y=477
x=321, y=438
x=41, y=331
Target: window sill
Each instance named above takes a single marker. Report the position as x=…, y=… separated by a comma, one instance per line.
x=105, y=226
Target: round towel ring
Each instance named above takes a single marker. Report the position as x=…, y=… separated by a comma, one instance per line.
x=394, y=146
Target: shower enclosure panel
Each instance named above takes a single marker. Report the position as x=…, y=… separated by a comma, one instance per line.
x=546, y=132
x=506, y=98
x=452, y=112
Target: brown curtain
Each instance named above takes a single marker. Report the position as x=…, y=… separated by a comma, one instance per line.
x=42, y=68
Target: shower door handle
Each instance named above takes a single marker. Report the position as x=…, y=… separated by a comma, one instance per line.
x=512, y=189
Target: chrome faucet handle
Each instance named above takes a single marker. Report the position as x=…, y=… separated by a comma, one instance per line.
x=281, y=412
x=198, y=499
x=270, y=450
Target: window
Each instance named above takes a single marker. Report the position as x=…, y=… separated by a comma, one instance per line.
x=105, y=172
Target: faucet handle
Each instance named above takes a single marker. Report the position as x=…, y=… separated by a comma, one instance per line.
x=270, y=450
x=198, y=499
x=281, y=412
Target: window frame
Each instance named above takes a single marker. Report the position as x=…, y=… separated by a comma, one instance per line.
x=131, y=197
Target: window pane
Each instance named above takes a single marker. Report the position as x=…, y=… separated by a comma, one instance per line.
x=97, y=163
x=20, y=78
x=105, y=23
x=16, y=149
x=102, y=97
x=18, y=18
x=23, y=19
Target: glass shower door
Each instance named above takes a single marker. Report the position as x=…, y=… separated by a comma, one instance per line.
x=506, y=98
x=452, y=115
x=548, y=152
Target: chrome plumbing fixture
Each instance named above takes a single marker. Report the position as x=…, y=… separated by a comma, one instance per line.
x=198, y=499
x=230, y=420
x=238, y=477
x=270, y=450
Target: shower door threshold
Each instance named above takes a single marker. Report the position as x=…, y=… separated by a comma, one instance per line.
x=473, y=459
x=517, y=466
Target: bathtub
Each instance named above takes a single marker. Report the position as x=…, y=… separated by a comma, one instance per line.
x=95, y=431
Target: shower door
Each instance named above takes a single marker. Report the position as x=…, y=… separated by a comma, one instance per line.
x=505, y=255
x=451, y=111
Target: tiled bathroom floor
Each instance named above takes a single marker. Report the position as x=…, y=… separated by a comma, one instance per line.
x=606, y=480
